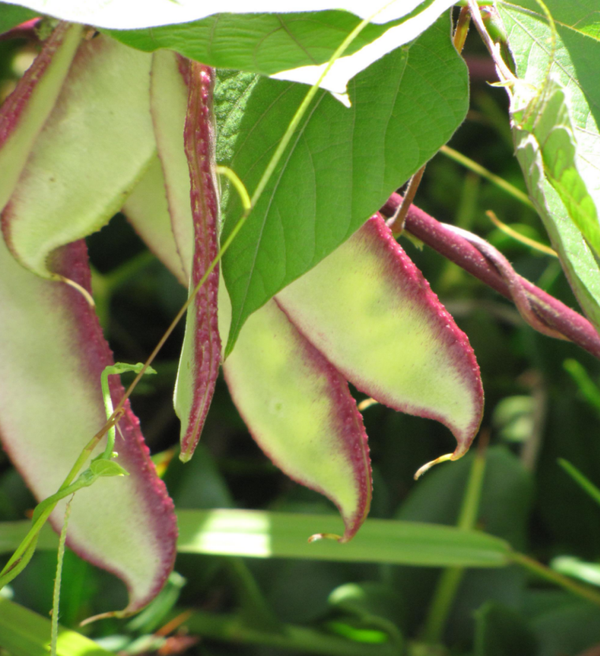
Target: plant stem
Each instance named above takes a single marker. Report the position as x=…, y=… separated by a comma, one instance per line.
x=554, y=577
x=398, y=219
x=457, y=249
x=580, y=479
x=451, y=577
x=531, y=243
x=462, y=29
x=470, y=164
x=57, y=581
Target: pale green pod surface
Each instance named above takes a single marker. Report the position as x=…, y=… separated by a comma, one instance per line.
x=93, y=149
x=169, y=99
x=181, y=105
x=25, y=111
x=296, y=405
x=371, y=312
x=52, y=354
x=148, y=212
x=299, y=410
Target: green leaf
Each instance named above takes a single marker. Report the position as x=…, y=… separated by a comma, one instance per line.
x=559, y=150
x=105, y=467
x=554, y=130
x=126, y=14
x=265, y=535
x=260, y=534
x=341, y=166
x=260, y=43
x=580, y=479
x=575, y=255
x=25, y=633
x=294, y=46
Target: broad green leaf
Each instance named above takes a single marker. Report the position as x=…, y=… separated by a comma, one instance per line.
x=341, y=165
x=573, y=66
x=25, y=111
x=126, y=14
x=559, y=147
x=276, y=43
x=266, y=535
x=25, y=633
x=577, y=258
x=260, y=534
x=345, y=68
x=554, y=131
x=52, y=354
x=93, y=148
x=260, y=43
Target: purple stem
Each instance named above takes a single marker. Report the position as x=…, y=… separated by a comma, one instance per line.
x=550, y=310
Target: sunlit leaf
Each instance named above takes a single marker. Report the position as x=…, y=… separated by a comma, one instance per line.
x=124, y=14
x=341, y=165
x=25, y=633
x=558, y=137
x=259, y=534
